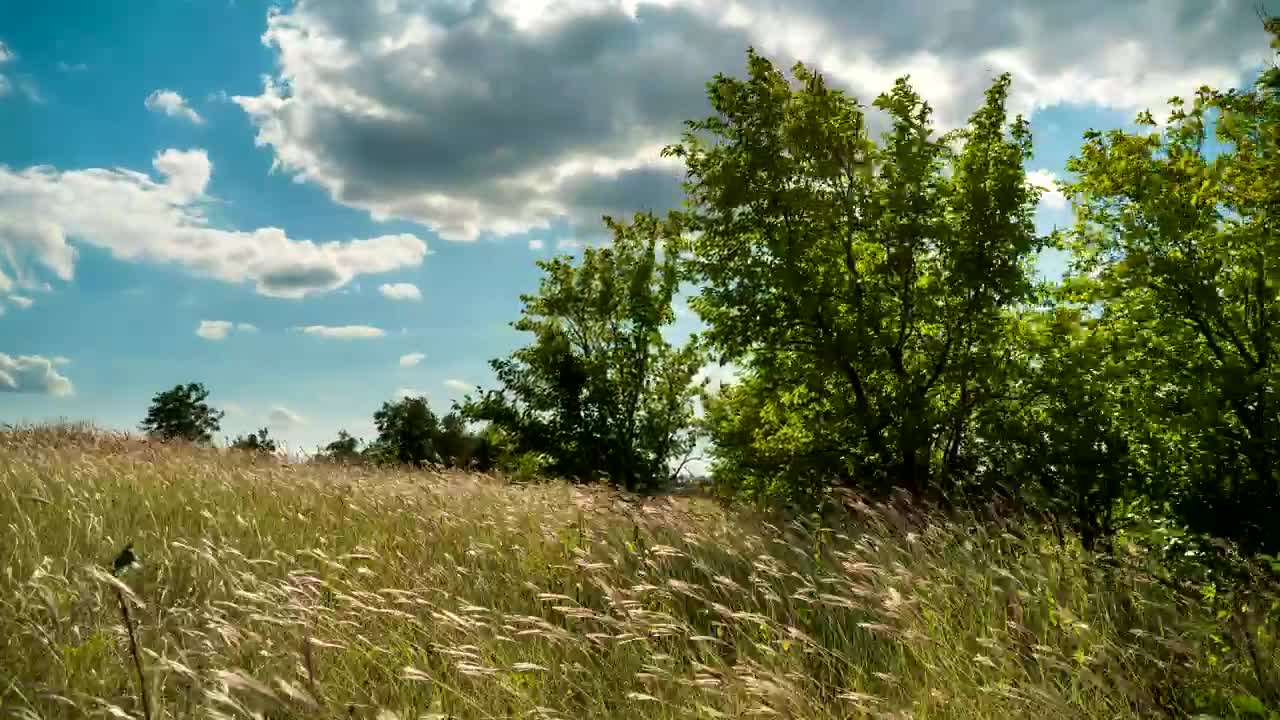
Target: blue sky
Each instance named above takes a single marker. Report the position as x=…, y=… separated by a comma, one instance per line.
x=385, y=173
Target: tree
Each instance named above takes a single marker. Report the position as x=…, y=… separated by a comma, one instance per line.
x=181, y=413
x=345, y=449
x=1177, y=238
x=1061, y=431
x=258, y=442
x=407, y=431
x=865, y=287
x=598, y=389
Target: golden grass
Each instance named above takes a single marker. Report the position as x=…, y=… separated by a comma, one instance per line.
x=273, y=591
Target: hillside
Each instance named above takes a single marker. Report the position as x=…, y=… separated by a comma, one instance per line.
x=280, y=591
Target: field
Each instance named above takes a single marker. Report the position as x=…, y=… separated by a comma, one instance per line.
x=274, y=591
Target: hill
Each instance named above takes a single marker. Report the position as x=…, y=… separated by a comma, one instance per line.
x=273, y=590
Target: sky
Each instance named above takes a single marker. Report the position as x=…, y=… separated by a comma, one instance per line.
x=313, y=207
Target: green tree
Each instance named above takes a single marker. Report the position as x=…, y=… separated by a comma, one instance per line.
x=345, y=449
x=599, y=390
x=181, y=413
x=407, y=432
x=1058, y=439
x=1177, y=237
x=259, y=442
x=866, y=287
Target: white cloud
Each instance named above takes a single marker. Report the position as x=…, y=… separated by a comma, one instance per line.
x=535, y=244
x=21, y=301
x=186, y=172
x=1046, y=180
x=411, y=359
x=344, y=332
x=33, y=374
x=461, y=386
x=400, y=291
x=404, y=392
x=213, y=329
x=137, y=218
x=67, y=67
x=405, y=112
x=220, y=329
x=6, y=55
x=283, y=417
x=172, y=104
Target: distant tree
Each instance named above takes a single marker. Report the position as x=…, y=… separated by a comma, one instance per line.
x=598, y=390
x=258, y=442
x=346, y=449
x=460, y=447
x=407, y=432
x=181, y=413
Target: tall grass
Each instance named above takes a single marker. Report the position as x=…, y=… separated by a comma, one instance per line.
x=271, y=590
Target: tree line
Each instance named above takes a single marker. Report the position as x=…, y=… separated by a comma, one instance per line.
x=878, y=297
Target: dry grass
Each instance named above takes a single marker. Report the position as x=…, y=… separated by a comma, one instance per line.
x=277, y=591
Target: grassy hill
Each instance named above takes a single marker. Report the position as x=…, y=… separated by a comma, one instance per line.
x=270, y=590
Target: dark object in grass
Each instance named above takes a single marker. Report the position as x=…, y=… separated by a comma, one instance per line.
x=124, y=560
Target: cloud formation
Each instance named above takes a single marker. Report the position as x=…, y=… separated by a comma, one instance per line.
x=138, y=218
x=344, y=332
x=461, y=386
x=172, y=104
x=406, y=110
x=411, y=359
x=220, y=329
x=400, y=291
x=6, y=56
x=283, y=417
x=33, y=374
x=1047, y=180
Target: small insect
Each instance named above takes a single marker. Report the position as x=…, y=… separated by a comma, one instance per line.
x=124, y=560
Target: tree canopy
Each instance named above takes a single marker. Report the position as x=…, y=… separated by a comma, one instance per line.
x=866, y=287
x=599, y=390
x=181, y=413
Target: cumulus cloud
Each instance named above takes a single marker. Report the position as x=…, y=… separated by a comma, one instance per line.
x=136, y=217
x=6, y=55
x=220, y=329
x=411, y=359
x=536, y=244
x=405, y=392
x=461, y=386
x=283, y=417
x=172, y=104
x=21, y=301
x=1047, y=180
x=344, y=332
x=406, y=110
x=400, y=291
x=33, y=374
x=213, y=329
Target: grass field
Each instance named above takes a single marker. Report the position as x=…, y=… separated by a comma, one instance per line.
x=273, y=591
